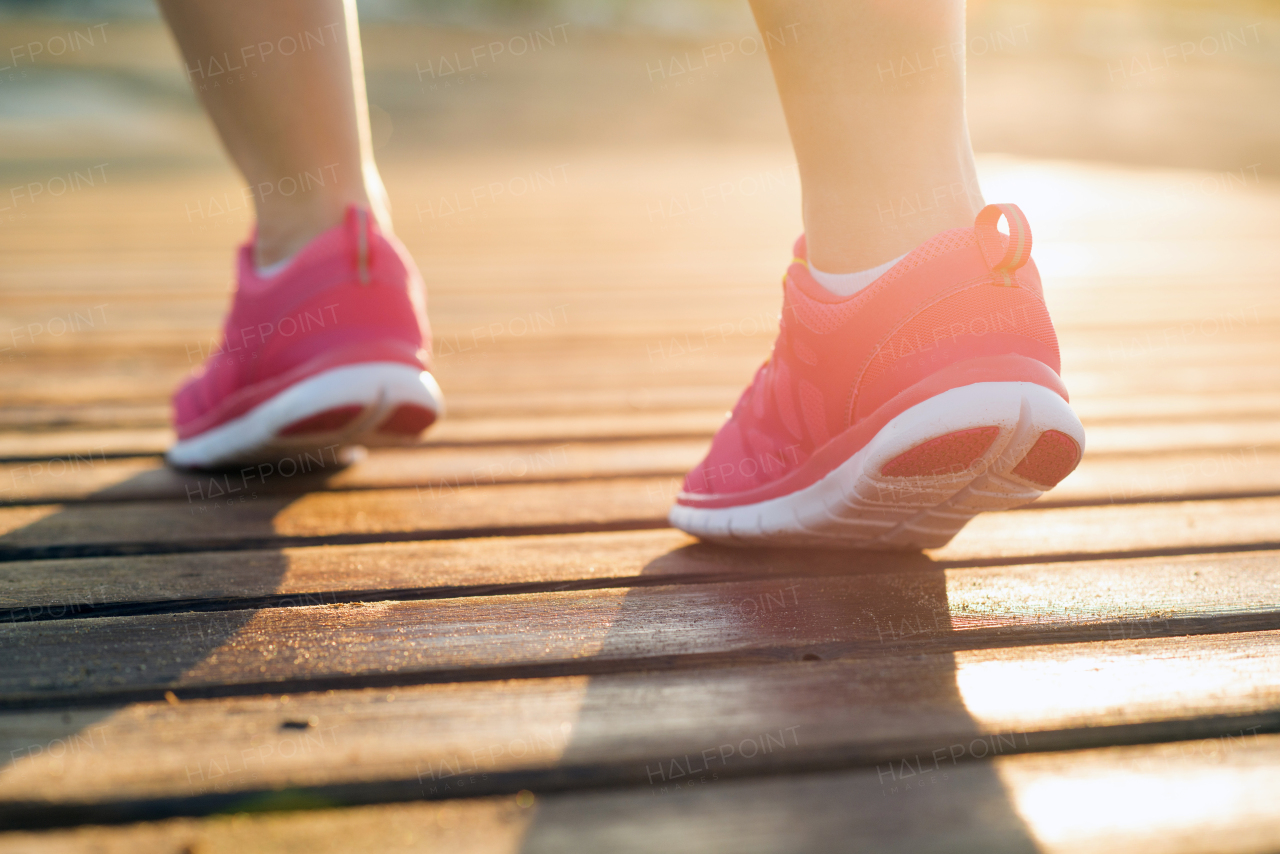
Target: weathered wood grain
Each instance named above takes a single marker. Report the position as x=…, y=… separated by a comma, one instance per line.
x=1122, y=463
x=1175, y=798
x=54, y=589
x=627, y=728
x=243, y=520
x=142, y=428
x=450, y=432
x=1178, y=797
x=621, y=629
x=521, y=386
x=434, y=469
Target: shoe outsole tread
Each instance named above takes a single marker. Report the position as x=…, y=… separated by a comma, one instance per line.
x=875, y=501
x=370, y=404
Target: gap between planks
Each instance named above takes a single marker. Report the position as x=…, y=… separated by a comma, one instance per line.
x=329, y=575
x=1159, y=799
x=445, y=741
x=1123, y=475
x=532, y=635
x=343, y=518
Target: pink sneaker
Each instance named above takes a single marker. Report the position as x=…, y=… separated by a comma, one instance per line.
x=891, y=418
x=331, y=351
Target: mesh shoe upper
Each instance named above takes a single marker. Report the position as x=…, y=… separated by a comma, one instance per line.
x=963, y=295
x=351, y=295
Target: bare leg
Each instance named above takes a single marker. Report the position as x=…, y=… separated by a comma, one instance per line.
x=885, y=160
x=283, y=115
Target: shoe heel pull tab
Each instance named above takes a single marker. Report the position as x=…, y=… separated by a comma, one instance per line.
x=1003, y=260
x=362, y=246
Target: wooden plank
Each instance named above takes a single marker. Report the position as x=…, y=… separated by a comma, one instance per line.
x=44, y=443
x=434, y=469
x=638, y=335
x=374, y=515
x=618, y=366
x=243, y=521
x=51, y=589
x=450, y=432
x=1173, y=798
x=82, y=428
x=603, y=731
x=526, y=386
x=1177, y=797
x=130, y=414
x=1102, y=477
x=621, y=629
x=1221, y=473
x=1153, y=437
x=1132, y=436
x=151, y=435
x=726, y=309
x=484, y=826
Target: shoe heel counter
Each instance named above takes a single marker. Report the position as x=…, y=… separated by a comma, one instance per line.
x=385, y=272
x=394, y=267
x=975, y=322
x=378, y=322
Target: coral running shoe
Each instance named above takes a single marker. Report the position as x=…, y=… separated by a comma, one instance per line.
x=331, y=351
x=890, y=418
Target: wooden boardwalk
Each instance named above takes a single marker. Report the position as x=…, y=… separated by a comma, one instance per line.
x=493, y=642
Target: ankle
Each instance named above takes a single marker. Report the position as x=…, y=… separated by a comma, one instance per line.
x=844, y=241
x=283, y=231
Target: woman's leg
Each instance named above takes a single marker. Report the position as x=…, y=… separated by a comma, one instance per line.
x=333, y=348
x=894, y=406
x=280, y=115
x=884, y=154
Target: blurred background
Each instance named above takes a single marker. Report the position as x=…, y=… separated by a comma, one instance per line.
x=1161, y=83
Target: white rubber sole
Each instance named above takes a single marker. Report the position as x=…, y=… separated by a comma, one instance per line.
x=378, y=389
x=857, y=506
